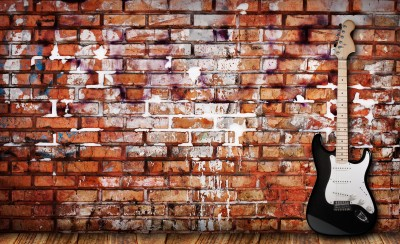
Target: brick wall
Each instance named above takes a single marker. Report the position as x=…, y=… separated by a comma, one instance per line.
x=171, y=115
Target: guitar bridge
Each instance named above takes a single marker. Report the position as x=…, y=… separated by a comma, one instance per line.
x=341, y=206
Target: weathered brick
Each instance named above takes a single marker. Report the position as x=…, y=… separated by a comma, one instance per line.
x=56, y=6
x=260, y=20
x=169, y=195
x=147, y=35
x=79, y=20
x=214, y=20
x=102, y=5
x=78, y=167
x=76, y=195
x=359, y=20
x=279, y=5
x=33, y=224
x=299, y=20
x=192, y=5
x=328, y=5
x=104, y=152
x=365, y=6
x=124, y=20
x=149, y=151
x=169, y=20
x=140, y=5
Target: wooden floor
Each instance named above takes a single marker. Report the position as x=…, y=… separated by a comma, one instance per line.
x=56, y=238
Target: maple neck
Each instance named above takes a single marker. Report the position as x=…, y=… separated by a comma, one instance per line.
x=342, y=139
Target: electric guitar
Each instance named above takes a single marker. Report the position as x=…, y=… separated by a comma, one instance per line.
x=341, y=202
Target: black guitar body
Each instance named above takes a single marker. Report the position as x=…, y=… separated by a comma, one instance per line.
x=326, y=218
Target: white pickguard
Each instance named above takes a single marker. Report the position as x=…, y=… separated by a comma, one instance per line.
x=346, y=183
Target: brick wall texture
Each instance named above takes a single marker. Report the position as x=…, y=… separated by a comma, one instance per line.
x=178, y=116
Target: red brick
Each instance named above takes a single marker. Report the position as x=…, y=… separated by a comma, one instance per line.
x=79, y=20
x=262, y=79
x=15, y=181
x=148, y=151
x=32, y=195
x=280, y=94
x=101, y=152
x=76, y=195
x=387, y=51
x=54, y=180
x=299, y=20
x=194, y=35
x=192, y=5
x=77, y=167
x=306, y=50
x=129, y=137
x=57, y=122
x=256, y=224
x=167, y=137
x=386, y=20
x=169, y=195
x=93, y=181
x=140, y=5
x=102, y=5
x=169, y=20
x=381, y=6
x=192, y=123
x=359, y=20
x=43, y=210
x=33, y=225
x=237, y=152
x=328, y=5
x=122, y=195
x=124, y=20
x=214, y=20
x=146, y=35
x=261, y=50
x=294, y=225
x=34, y=20
x=15, y=210
x=83, y=108
x=260, y=20
x=281, y=5
x=169, y=49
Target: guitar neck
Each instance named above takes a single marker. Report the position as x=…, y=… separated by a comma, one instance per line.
x=342, y=139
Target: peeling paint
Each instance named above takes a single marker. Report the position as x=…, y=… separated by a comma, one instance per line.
x=243, y=7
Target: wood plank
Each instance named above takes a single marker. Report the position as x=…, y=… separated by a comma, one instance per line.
x=62, y=238
x=389, y=238
x=25, y=238
x=213, y=238
x=182, y=238
x=120, y=238
x=303, y=238
x=91, y=238
x=333, y=239
x=151, y=238
x=272, y=238
x=41, y=238
x=365, y=239
x=244, y=238
x=8, y=238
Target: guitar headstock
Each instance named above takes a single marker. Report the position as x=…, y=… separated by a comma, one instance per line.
x=345, y=44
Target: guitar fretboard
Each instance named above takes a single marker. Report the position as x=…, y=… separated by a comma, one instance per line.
x=342, y=140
